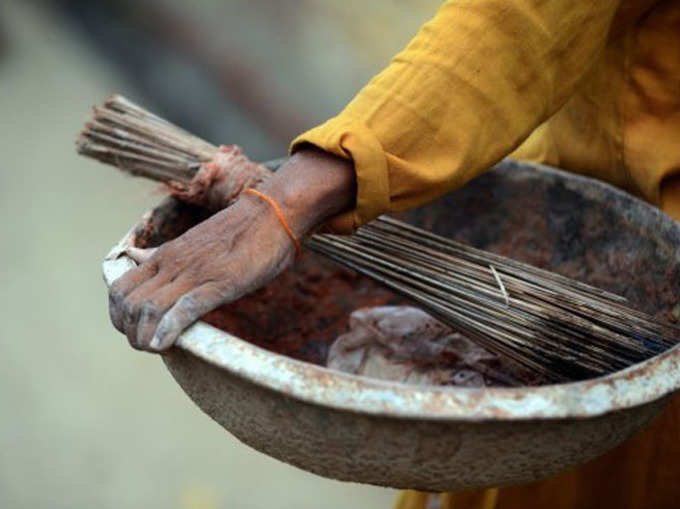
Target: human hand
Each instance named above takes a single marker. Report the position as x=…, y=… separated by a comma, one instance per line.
x=232, y=253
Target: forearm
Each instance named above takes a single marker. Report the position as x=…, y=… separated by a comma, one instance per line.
x=311, y=187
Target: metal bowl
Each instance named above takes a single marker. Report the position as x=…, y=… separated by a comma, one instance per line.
x=447, y=438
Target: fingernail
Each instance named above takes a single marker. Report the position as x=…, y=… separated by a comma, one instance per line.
x=155, y=342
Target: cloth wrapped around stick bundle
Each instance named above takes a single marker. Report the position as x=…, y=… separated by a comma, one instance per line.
x=558, y=328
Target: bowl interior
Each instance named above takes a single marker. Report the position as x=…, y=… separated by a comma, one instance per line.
x=570, y=225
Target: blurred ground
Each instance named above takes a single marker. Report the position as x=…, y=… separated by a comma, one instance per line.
x=86, y=421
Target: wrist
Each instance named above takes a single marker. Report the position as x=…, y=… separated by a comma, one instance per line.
x=311, y=187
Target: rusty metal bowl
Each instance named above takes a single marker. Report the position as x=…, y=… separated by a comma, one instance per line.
x=359, y=429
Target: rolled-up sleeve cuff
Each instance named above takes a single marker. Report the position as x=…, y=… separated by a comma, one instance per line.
x=353, y=140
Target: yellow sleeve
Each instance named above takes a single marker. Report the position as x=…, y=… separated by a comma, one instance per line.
x=466, y=91
x=670, y=196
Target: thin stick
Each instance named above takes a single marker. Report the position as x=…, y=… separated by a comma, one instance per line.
x=500, y=285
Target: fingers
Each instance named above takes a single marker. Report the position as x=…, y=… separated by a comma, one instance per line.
x=187, y=310
x=144, y=306
x=151, y=311
x=140, y=255
x=122, y=287
x=154, y=314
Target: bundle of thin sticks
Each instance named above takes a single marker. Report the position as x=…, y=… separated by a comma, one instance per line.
x=558, y=328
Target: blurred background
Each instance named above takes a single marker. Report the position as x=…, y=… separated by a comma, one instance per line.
x=86, y=421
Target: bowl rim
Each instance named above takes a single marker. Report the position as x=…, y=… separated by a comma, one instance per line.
x=637, y=385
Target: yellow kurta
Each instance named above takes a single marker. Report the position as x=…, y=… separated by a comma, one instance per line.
x=591, y=86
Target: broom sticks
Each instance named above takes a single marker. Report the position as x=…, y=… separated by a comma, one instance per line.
x=558, y=328
x=138, y=142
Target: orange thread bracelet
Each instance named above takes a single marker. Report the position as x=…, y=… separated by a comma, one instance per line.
x=279, y=214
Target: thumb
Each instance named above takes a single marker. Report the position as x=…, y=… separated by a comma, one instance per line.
x=140, y=255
